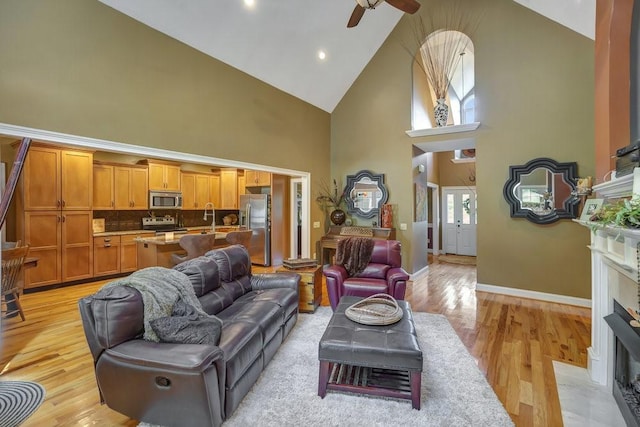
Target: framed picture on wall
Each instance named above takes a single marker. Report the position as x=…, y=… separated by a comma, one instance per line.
x=591, y=206
x=420, y=198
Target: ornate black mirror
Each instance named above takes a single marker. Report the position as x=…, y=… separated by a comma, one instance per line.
x=365, y=193
x=541, y=190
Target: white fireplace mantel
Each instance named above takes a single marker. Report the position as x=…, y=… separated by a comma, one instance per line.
x=614, y=275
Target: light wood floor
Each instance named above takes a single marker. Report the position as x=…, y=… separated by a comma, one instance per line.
x=513, y=340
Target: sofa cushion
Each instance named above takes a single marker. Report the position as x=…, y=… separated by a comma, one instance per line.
x=233, y=262
x=118, y=313
x=202, y=272
x=217, y=300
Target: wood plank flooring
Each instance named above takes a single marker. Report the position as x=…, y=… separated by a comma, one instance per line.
x=513, y=340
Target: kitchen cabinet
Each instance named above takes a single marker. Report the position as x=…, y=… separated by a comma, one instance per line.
x=54, y=217
x=164, y=177
x=131, y=188
x=103, y=187
x=106, y=255
x=129, y=251
x=119, y=187
x=62, y=242
x=241, y=187
x=214, y=190
x=116, y=254
x=228, y=189
x=257, y=178
x=54, y=178
x=195, y=190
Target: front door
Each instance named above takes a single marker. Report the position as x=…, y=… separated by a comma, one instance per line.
x=459, y=220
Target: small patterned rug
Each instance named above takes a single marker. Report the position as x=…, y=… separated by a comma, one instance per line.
x=457, y=259
x=18, y=400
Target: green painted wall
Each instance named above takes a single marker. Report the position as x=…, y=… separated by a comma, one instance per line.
x=82, y=68
x=534, y=98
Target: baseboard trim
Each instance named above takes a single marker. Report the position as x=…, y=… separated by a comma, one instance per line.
x=543, y=296
x=418, y=274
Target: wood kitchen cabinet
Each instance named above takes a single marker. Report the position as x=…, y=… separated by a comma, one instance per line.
x=196, y=189
x=54, y=178
x=106, y=255
x=214, y=190
x=62, y=241
x=228, y=189
x=241, y=187
x=129, y=251
x=119, y=187
x=164, y=177
x=131, y=188
x=103, y=187
x=257, y=178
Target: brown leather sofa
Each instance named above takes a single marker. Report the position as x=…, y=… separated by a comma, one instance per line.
x=191, y=384
x=383, y=274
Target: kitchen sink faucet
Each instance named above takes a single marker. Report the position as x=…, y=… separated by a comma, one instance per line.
x=213, y=216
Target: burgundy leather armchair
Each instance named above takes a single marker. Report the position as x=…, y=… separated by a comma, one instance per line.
x=384, y=274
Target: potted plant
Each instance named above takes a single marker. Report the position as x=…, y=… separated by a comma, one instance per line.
x=623, y=213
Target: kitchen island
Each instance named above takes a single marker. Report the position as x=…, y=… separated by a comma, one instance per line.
x=156, y=251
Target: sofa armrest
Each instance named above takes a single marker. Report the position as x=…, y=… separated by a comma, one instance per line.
x=397, y=282
x=171, y=356
x=335, y=276
x=262, y=281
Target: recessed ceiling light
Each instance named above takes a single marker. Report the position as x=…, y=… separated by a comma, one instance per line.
x=322, y=55
x=250, y=3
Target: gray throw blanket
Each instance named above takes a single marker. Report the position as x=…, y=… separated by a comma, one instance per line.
x=354, y=253
x=160, y=288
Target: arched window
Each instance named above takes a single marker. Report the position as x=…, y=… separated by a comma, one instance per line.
x=449, y=57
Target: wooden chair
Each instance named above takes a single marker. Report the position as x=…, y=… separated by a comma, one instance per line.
x=12, y=283
x=196, y=245
x=242, y=237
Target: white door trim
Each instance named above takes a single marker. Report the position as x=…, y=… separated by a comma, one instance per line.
x=435, y=217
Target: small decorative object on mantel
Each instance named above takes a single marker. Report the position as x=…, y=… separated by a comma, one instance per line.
x=386, y=220
x=590, y=209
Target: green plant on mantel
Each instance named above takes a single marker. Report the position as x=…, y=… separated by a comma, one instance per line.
x=623, y=213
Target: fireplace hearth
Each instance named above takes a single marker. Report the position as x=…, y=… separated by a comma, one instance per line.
x=626, y=375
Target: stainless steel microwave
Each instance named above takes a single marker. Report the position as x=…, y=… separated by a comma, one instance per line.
x=165, y=200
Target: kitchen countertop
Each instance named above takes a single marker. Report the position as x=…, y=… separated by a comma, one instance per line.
x=160, y=240
x=223, y=228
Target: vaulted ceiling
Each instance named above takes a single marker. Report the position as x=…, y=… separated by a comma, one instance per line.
x=278, y=41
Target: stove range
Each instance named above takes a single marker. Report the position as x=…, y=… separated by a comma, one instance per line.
x=160, y=224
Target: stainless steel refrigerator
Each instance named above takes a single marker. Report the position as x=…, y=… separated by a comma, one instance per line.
x=255, y=214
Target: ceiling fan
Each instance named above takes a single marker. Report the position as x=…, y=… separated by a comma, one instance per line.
x=408, y=6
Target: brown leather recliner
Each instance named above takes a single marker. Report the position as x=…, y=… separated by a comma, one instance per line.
x=191, y=384
x=384, y=274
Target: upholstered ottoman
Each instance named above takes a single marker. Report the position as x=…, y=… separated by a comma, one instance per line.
x=375, y=360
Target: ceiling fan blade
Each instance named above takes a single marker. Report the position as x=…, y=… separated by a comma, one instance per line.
x=356, y=16
x=408, y=6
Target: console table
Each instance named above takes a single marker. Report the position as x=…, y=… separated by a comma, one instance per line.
x=328, y=243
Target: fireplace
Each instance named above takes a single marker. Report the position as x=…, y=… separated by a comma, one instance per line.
x=626, y=373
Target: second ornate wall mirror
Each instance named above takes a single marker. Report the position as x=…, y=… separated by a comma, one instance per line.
x=541, y=190
x=365, y=193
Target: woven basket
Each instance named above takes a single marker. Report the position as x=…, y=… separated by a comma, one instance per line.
x=378, y=309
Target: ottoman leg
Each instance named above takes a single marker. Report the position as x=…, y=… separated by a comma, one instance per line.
x=323, y=379
x=416, y=383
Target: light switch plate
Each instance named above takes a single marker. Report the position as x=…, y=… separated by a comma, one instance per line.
x=403, y=226
x=316, y=224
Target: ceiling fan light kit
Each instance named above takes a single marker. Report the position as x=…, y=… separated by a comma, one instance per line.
x=408, y=6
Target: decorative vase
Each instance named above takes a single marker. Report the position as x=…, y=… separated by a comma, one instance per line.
x=386, y=220
x=338, y=216
x=441, y=112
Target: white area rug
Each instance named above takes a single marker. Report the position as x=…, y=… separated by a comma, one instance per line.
x=454, y=391
x=583, y=402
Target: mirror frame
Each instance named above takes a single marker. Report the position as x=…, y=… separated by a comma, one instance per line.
x=569, y=173
x=351, y=182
